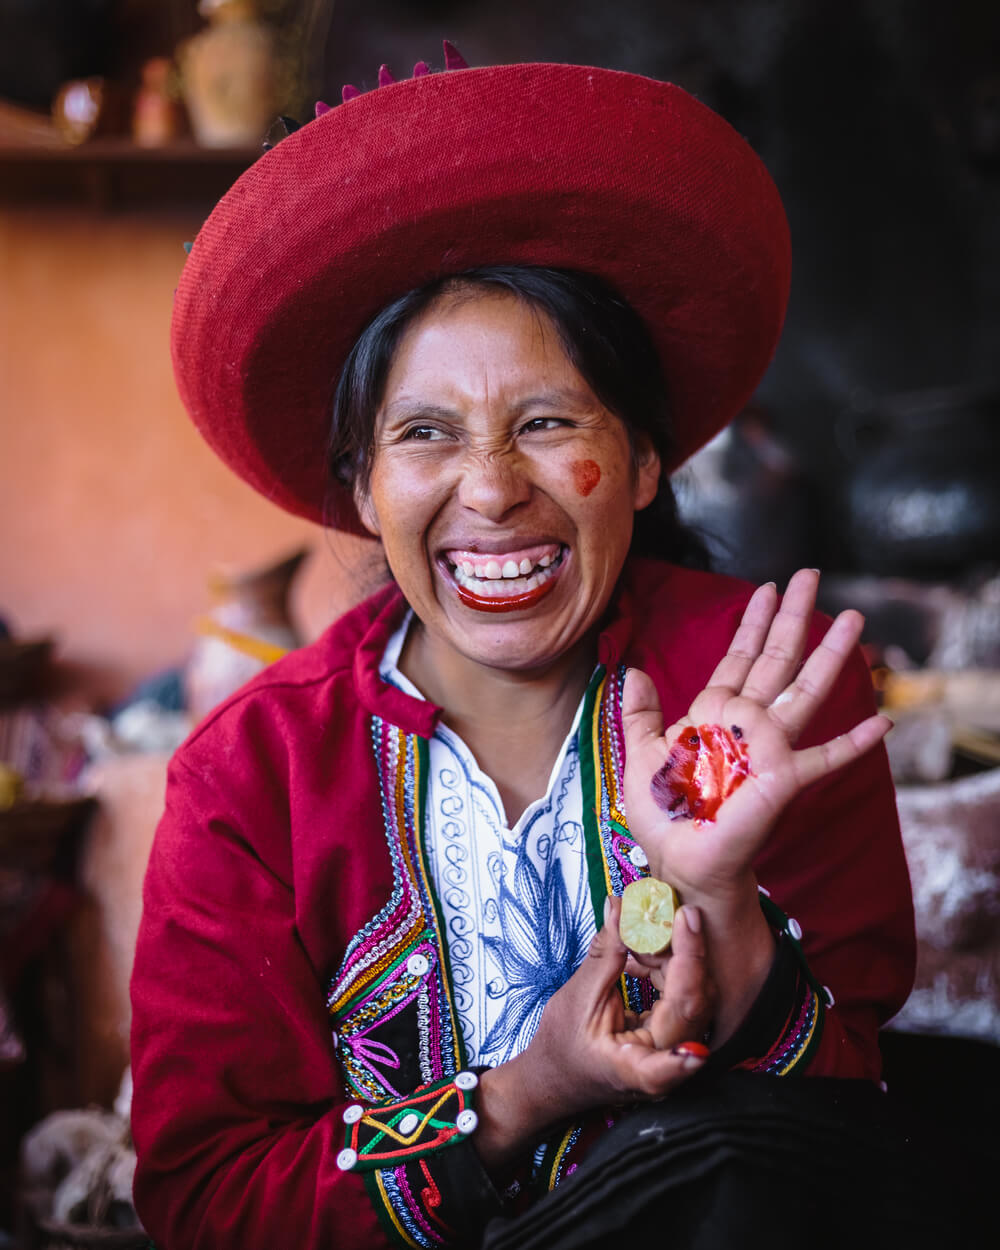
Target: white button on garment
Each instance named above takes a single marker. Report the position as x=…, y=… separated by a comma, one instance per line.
x=408, y=1123
x=353, y=1113
x=467, y=1122
x=466, y=1080
x=830, y=1000
x=417, y=965
x=794, y=928
x=347, y=1159
x=638, y=857
x=883, y=1087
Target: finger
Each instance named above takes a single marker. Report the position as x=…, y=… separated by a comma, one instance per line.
x=635, y=968
x=748, y=641
x=684, y=1009
x=642, y=719
x=776, y=665
x=799, y=701
x=654, y=1073
x=817, y=762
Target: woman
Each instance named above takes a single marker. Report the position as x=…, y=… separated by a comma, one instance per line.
x=380, y=991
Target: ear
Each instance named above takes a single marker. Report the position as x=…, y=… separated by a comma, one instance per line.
x=366, y=510
x=647, y=473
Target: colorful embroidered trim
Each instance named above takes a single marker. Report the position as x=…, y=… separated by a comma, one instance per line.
x=798, y=1038
x=802, y=1027
x=614, y=858
x=391, y=1002
x=392, y=1010
x=427, y=1121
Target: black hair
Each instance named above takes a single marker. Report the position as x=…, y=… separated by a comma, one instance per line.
x=603, y=337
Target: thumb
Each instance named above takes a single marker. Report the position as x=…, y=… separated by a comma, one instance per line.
x=606, y=957
x=642, y=718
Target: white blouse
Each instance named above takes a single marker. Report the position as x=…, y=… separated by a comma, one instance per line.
x=515, y=901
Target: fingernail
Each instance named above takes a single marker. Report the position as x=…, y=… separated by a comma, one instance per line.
x=607, y=908
x=692, y=918
x=693, y=1050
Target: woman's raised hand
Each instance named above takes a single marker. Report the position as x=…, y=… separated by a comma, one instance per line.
x=760, y=688
x=588, y=1052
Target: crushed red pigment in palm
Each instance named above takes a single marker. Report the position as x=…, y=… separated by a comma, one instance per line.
x=705, y=765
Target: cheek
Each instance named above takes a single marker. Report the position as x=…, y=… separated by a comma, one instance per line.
x=586, y=475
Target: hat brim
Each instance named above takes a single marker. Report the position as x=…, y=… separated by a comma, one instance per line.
x=555, y=165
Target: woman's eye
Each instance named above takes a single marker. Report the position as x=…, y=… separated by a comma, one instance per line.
x=422, y=433
x=543, y=423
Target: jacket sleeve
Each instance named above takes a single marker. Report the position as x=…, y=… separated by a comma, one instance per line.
x=239, y=1107
x=838, y=897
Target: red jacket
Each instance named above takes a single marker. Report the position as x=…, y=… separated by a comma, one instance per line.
x=271, y=856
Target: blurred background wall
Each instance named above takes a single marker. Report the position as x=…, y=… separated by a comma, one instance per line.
x=880, y=122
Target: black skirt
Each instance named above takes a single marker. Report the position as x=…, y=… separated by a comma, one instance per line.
x=733, y=1161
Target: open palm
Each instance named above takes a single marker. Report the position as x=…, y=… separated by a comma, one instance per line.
x=760, y=687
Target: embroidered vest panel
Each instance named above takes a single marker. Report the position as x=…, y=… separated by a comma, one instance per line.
x=391, y=1002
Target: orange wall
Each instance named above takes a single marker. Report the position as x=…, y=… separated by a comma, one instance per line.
x=113, y=511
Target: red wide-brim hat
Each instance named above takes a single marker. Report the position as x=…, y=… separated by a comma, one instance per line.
x=556, y=165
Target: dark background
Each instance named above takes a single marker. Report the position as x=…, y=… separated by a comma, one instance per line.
x=880, y=122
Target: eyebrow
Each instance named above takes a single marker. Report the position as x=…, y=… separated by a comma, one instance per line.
x=562, y=398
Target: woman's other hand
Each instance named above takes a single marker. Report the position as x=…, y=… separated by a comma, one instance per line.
x=589, y=1052
x=761, y=691
x=762, y=688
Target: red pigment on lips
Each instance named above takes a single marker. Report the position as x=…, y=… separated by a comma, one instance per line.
x=484, y=603
x=586, y=475
x=705, y=765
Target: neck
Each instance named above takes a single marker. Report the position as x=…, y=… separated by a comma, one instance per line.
x=474, y=693
x=513, y=722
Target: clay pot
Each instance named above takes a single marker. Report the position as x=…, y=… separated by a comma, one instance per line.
x=749, y=499
x=921, y=496
x=247, y=627
x=229, y=76
x=156, y=115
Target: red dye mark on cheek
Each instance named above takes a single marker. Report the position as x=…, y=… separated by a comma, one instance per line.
x=704, y=767
x=586, y=475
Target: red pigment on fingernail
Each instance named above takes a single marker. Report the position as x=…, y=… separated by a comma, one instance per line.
x=704, y=767
x=586, y=475
x=692, y=1048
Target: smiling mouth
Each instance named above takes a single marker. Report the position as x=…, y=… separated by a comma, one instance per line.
x=505, y=582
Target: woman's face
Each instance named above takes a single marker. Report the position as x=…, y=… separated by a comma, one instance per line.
x=502, y=489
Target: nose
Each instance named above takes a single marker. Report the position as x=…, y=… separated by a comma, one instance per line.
x=493, y=484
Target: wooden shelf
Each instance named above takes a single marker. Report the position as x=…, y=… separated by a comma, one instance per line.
x=112, y=174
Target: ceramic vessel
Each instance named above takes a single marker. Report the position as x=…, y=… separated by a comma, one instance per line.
x=247, y=627
x=229, y=76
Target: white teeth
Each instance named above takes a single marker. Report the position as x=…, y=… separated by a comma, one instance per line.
x=493, y=581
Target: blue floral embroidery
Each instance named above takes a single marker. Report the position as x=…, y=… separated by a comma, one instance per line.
x=541, y=947
x=515, y=903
